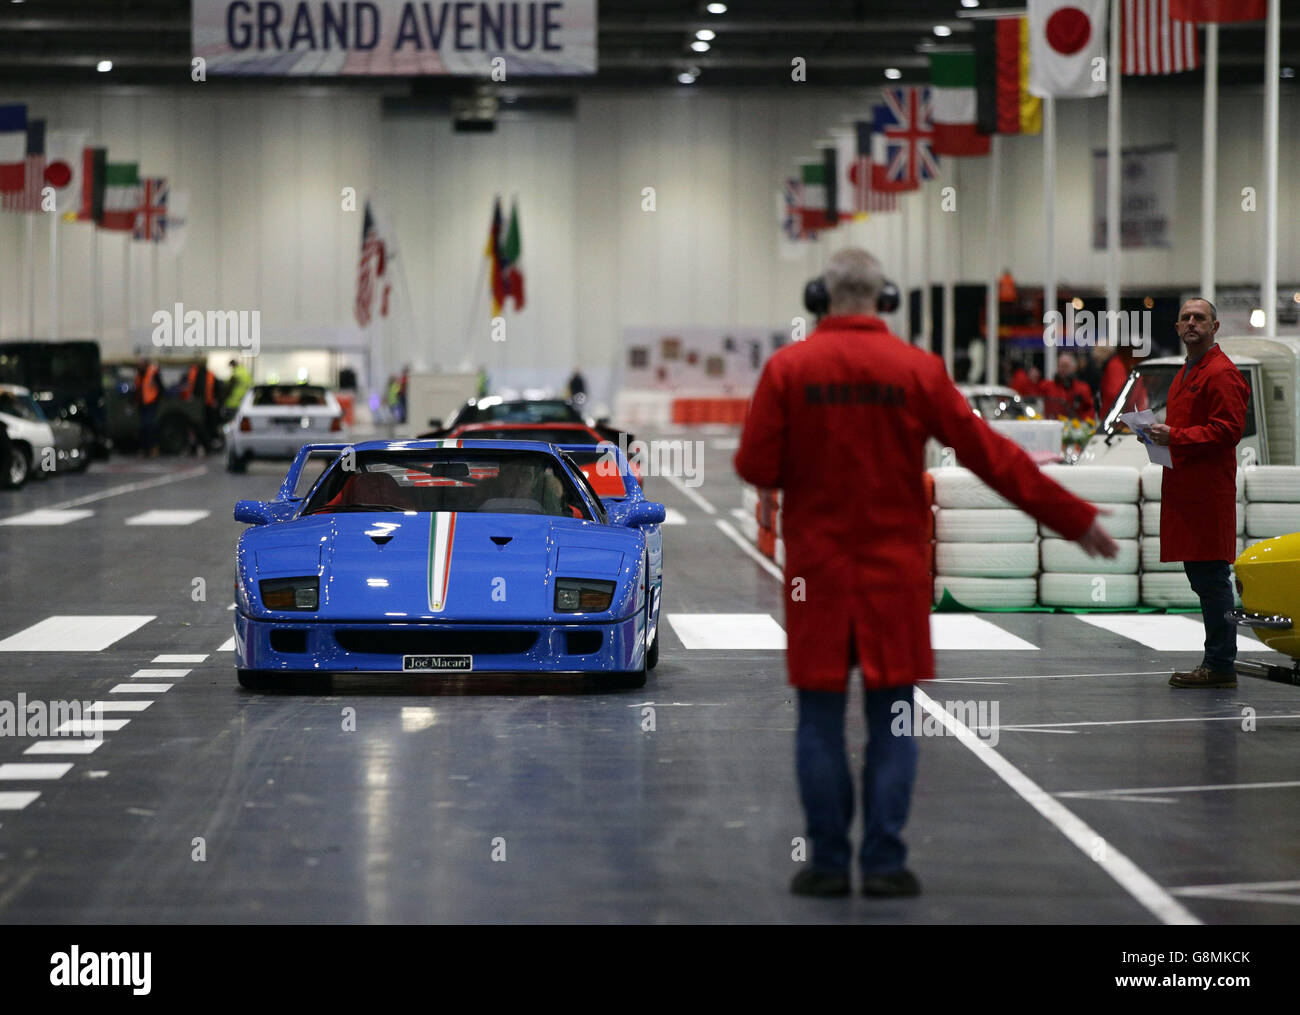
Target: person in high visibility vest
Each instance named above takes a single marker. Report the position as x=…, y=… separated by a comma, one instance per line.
x=240, y=381
x=200, y=382
x=148, y=393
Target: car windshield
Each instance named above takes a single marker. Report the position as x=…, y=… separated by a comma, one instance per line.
x=450, y=479
x=288, y=395
x=997, y=406
x=22, y=406
x=550, y=435
x=519, y=411
x=1149, y=391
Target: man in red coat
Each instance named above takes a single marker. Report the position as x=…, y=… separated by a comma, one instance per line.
x=1066, y=394
x=839, y=422
x=1205, y=417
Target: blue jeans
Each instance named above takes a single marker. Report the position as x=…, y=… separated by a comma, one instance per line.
x=826, y=786
x=1212, y=582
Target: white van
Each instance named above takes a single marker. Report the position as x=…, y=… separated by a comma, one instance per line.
x=1271, y=367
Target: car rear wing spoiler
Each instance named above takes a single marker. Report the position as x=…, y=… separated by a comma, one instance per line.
x=305, y=454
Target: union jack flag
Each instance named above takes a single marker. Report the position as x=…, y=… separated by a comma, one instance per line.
x=151, y=216
x=900, y=148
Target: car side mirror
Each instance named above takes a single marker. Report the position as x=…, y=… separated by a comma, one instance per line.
x=645, y=512
x=253, y=512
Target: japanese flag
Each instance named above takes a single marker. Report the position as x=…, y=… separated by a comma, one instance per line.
x=1067, y=48
x=63, y=167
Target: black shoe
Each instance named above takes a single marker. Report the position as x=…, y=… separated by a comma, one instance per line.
x=822, y=884
x=899, y=884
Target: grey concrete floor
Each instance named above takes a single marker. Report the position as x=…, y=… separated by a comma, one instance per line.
x=600, y=820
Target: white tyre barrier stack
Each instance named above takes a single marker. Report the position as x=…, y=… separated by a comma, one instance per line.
x=1070, y=578
x=986, y=549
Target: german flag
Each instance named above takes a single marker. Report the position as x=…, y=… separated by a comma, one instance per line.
x=1003, y=104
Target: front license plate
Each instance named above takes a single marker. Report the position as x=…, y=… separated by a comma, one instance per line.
x=444, y=663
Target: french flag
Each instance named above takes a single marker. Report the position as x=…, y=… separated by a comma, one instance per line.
x=13, y=148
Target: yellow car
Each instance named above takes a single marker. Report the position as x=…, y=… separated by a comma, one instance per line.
x=1268, y=580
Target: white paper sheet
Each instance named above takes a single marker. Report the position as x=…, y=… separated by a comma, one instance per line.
x=1138, y=422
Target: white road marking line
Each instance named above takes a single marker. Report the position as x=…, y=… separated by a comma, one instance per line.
x=73, y=634
x=159, y=516
x=727, y=630
x=158, y=674
x=1142, y=722
x=690, y=494
x=725, y=443
x=16, y=801
x=1245, y=893
x=197, y=658
x=117, y=491
x=34, y=770
x=228, y=645
x=1047, y=676
x=96, y=725
x=1162, y=632
x=141, y=688
x=963, y=632
x=1130, y=877
x=769, y=566
x=671, y=517
x=44, y=516
x=119, y=706
x=230, y=608
x=740, y=514
x=1099, y=794
x=69, y=745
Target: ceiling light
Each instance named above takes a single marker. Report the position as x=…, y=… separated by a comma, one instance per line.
x=707, y=34
x=893, y=73
x=700, y=46
x=943, y=31
x=685, y=78
x=1288, y=72
x=970, y=3
x=1257, y=318
x=1077, y=303
x=716, y=8
x=104, y=66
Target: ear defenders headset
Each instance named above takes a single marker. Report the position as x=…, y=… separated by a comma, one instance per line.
x=817, y=300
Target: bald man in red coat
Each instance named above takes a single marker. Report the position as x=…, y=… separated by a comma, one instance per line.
x=839, y=423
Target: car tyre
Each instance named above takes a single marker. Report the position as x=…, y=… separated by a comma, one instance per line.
x=20, y=468
x=258, y=680
x=173, y=435
x=236, y=462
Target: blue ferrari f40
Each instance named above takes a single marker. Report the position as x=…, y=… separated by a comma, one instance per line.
x=450, y=557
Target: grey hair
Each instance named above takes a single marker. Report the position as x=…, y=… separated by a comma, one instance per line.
x=853, y=279
x=1214, y=311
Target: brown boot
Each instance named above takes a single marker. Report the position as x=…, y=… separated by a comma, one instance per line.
x=1201, y=677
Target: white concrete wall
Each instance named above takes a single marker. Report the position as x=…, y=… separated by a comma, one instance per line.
x=266, y=230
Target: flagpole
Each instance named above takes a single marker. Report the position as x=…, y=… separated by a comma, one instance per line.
x=1209, y=158
x=992, y=313
x=126, y=289
x=1272, y=71
x=153, y=276
x=31, y=275
x=927, y=299
x=905, y=278
x=1049, y=229
x=1113, y=77
x=949, y=282
x=54, y=274
x=96, y=321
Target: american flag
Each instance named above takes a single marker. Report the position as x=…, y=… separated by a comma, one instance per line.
x=865, y=197
x=901, y=157
x=151, y=218
x=370, y=272
x=1153, y=42
x=29, y=198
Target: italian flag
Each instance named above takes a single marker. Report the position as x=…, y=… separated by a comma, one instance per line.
x=121, y=195
x=812, y=172
x=952, y=105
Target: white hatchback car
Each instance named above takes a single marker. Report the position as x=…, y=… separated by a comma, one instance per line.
x=30, y=434
x=275, y=420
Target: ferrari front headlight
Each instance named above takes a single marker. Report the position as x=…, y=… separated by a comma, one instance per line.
x=583, y=595
x=291, y=593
